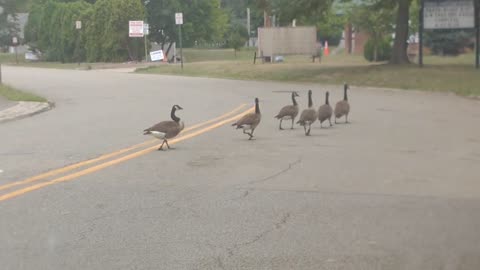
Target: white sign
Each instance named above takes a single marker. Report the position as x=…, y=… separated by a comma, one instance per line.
x=15, y=40
x=135, y=29
x=146, y=29
x=157, y=55
x=178, y=18
x=78, y=24
x=449, y=14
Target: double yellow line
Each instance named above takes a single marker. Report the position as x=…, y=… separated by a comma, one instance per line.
x=111, y=159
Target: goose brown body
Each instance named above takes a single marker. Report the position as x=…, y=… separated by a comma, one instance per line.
x=166, y=129
x=342, y=108
x=308, y=116
x=288, y=112
x=325, y=111
x=249, y=122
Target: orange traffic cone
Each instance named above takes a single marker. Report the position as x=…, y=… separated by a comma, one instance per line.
x=326, y=51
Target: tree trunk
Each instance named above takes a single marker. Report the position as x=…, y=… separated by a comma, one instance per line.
x=375, y=52
x=399, y=53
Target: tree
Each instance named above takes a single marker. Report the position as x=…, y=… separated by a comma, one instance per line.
x=204, y=21
x=399, y=53
x=8, y=21
x=238, y=36
x=376, y=21
x=107, y=31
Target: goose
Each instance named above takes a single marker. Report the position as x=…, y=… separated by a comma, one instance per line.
x=343, y=107
x=166, y=129
x=250, y=121
x=289, y=111
x=325, y=111
x=308, y=116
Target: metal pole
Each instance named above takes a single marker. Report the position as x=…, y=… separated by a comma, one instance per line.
x=16, y=54
x=420, y=35
x=248, y=25
x=0, y=73
x=146, y=53
x=181, y=47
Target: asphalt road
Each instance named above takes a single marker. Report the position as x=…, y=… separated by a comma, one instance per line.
x=398, y=188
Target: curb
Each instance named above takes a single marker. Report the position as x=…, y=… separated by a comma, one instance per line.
x=24, y=109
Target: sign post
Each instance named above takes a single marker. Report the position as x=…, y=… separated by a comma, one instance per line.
x=146, y=31
x=15, y=44
x=420, y=35
x=179, y=22
x=78, y=26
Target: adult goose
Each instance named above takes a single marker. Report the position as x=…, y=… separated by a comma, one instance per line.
x=167, y=129
x=250, y=121
x=343, y=107
x=308, y=116
x=325, y=111
x=288, y=112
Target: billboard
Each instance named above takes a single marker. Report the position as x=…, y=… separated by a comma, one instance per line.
x=448, y=14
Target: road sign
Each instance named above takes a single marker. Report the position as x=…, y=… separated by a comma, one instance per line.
x=135, y=29
x=146, y=29
x=78, y=24
x=179, y=18
x=451, y=14
x=157, y=55
x=15, y=40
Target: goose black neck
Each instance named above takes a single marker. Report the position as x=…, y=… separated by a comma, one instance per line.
x=173, y=116
x=257, y=108
x=293, y=99
x=310, y=102
x=345, y=97
x=326, y=99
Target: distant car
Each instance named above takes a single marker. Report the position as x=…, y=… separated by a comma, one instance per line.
x=32, y=56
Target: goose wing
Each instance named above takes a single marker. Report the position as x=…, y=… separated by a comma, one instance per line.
x=162, y=127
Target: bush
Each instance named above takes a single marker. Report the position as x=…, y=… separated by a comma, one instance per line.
x=449, y=42
x=384, y=50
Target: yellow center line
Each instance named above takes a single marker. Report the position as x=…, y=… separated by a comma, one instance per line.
x=110, y=155
x=118, y=160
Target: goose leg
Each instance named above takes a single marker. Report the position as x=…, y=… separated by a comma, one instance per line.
x=292, y=123
x=167, y=144
x=335, y=119
x=280, y=126
x=346, y=119
x=309, y=128
x=161, y=146
x=305, y=129
x=330, y=120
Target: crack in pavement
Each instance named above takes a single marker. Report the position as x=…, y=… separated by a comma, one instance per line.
x=290, y=166
x=276, y=226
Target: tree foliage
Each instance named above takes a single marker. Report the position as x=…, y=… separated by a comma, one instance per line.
x=8, y=25
x=104, y=33
x=238, y=36
x=377, y=22
x=204, y=21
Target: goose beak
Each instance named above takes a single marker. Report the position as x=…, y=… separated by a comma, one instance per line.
x=180, y=108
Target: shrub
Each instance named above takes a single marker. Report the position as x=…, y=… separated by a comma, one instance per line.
x=384, y=50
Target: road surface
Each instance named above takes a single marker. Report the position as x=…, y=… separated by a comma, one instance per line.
x=398, y=188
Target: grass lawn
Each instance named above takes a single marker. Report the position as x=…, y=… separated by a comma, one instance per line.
x=13, y=94
x=453, y=74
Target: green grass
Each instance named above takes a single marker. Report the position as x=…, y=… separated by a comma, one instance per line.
x=13, y=94
x=447, y=74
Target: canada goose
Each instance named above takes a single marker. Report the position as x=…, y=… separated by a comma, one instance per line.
x=325, y=111
x=167, y=129
x=308, y=116
x=343, y=107
x=249, y=121
x=289, y=111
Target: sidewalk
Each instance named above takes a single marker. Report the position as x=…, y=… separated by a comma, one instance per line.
x=16, y=110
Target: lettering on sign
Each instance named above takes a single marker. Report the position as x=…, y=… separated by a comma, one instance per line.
x=449, y=14
x=135, y=29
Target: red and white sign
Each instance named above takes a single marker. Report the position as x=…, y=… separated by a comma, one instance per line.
x=135, y=28
x=178, y=18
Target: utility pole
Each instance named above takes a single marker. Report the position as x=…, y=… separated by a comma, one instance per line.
x=248, y=25
x=420, y=35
